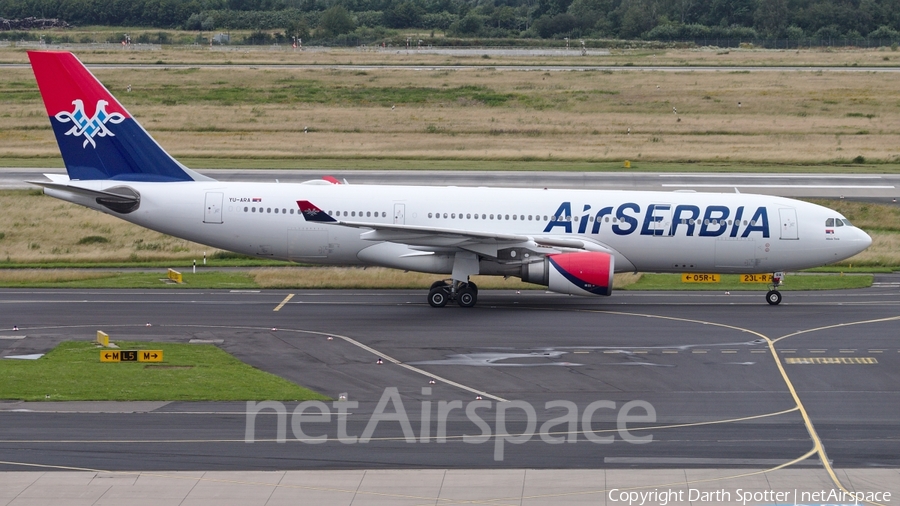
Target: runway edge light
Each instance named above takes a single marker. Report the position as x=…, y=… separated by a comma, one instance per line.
x=103, y=338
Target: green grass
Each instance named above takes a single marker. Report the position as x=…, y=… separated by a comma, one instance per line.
x=73, y=372
x=205, y=280
x=304, y=91
x=731, y=282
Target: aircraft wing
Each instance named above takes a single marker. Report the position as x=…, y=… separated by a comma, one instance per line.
x=439, y=238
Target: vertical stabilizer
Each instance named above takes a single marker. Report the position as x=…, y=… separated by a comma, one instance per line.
x=97, y=137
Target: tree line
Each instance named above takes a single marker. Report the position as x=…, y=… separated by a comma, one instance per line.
x=370, y=19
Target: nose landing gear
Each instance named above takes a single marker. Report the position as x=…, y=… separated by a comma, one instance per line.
x=773, y=296
x=441, y=292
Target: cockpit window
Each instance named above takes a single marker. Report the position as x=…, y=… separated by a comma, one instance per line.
x=847, y=222
x=829, y=222
x=838, y=222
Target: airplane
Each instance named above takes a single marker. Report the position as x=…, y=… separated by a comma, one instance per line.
x=569, y=240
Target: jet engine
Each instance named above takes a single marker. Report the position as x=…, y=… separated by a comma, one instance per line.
x=581, y=273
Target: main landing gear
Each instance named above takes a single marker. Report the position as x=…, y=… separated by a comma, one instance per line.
x=442, y=292
x=773, y=296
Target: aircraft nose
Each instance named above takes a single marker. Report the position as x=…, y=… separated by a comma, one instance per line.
x=863, y=239
x=867, y=238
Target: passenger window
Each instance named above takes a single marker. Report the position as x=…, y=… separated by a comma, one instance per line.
x=514, y=216
x=292, y=211
x=268, y=209
x=429, y=215
x=245, y=209
x=276, y=210
x=468, y=216
x=492, y=216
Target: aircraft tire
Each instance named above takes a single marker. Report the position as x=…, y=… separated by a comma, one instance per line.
x=438, y=284
x=438, y=296
x=773, y=297
x=466, y=297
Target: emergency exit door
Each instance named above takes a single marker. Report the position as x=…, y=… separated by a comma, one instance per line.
x=213, y=207
x=788, y=223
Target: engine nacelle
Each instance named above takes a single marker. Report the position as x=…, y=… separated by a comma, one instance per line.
x=583, y=273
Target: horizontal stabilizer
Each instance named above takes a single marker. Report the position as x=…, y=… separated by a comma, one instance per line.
x=121, y=199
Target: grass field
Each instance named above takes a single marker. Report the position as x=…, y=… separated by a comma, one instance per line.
x=487, y=118
x=73, y=372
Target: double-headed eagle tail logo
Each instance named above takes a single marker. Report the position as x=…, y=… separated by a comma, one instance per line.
x=89, y=127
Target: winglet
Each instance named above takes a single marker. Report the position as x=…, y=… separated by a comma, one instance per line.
x=313, y=213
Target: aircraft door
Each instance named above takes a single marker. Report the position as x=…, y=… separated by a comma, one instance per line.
x=213, y=208
x=661, y=216
x=399, y=214
x=788, y=223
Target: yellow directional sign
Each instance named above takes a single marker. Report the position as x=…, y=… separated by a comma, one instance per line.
x=150, y=356
x=110, y=356
x=756, y=278
x=700, y=278
x=103, y=338
x=130, y=355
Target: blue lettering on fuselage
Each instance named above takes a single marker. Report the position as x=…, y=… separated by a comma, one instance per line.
x=625, y=218
x=664, y=220
x=561, y=218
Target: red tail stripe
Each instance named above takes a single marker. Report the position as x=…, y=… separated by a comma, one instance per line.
x=63, y=79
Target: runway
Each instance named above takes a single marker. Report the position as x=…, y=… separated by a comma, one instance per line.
x=873, y=187
x=703, y=379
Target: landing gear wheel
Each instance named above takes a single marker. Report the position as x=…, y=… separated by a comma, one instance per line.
x=466, y=296
x=438, y=284
x=438, y=296
x=473, y=287
x=773, y=297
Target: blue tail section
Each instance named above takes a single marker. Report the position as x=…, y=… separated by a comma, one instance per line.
x=97, y=137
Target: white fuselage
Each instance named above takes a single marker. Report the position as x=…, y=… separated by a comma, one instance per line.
x=645, y=231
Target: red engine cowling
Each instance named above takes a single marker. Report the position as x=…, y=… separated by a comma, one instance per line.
x=583, y=273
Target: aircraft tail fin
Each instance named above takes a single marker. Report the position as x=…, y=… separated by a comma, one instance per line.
x=97, y=137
